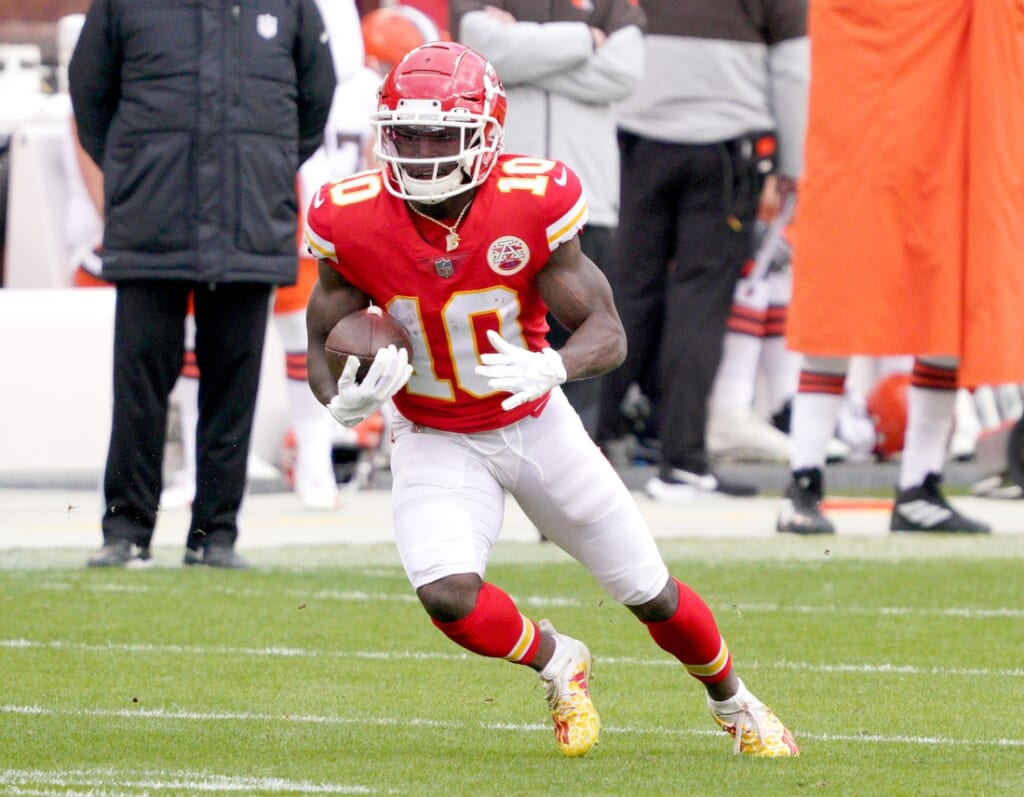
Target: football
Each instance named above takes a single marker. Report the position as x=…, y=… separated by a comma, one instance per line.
x=362, y=333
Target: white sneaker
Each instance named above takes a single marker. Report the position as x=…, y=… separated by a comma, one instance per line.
x=566, y=681
x=677, y=486
x=755, y=728
x=180, y=491
x=743, y=435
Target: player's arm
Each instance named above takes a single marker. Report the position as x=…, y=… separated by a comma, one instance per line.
x=333, y=297
x=578, y=294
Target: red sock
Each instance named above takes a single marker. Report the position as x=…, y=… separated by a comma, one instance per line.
x=692, y=636
x=495, y=628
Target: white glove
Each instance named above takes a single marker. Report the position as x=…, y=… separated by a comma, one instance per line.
x=388, y=374
x=525, y=374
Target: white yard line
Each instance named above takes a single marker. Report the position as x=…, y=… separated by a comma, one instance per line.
x=547, y=602
x=385, y=655
x=23, y=781
x=315, y=719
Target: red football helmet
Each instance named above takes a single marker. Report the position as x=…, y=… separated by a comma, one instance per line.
x=447, y=94
x=887, y=406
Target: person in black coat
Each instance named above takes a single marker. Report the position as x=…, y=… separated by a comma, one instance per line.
x=199, y=116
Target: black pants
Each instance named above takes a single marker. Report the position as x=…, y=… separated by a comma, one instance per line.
x=685, y=230
x=584, y=395
x=149, y=338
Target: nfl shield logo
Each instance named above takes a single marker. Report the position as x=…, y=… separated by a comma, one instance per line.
x=266, y=26
x=444, y=268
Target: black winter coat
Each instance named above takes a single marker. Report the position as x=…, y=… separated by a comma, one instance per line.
x=200, y=113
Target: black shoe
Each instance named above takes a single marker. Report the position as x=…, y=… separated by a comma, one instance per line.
x=782, y=419
x=121, y=553
x=215, y=556
x=801, y=505
x=923, y=508
x=674, y=485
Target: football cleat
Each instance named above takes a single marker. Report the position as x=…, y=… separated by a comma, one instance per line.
x=800, y=512
x=577, y=724
x=754, y=727
x=924, y=508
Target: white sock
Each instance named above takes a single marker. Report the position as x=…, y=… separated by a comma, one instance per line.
x=811, y=426
x=291, y=328
x=559, y=658
x=781, y=368
x=929, y=425
x=733, y=704
x=737, y=373
x=314, y=448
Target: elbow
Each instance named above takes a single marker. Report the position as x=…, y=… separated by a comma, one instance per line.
x=614, y=345
x=617, y=350
x=620, y=353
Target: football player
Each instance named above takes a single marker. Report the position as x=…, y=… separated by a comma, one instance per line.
x=468, y=248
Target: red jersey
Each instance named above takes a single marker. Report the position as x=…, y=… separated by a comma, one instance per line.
x=447, y=301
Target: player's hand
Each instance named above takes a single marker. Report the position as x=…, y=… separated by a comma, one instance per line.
x=356, y=400
x=525, y=374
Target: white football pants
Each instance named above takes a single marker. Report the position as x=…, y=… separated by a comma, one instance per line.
x=449, y=501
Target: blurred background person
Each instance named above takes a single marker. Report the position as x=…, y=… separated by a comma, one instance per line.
x=390, y=32
x=199, y=125
x=564, y=66
x=435, y=11
x=83, y=213
x=722, y=104
x=753, y=351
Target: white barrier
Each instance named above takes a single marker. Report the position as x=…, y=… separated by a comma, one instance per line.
x=56, y=360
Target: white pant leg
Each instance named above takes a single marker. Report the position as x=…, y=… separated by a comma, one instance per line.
x=573, y=495
x=447, y=505
x=448, y=501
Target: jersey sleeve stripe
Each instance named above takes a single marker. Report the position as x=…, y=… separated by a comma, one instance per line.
x=319, y=247
x=566, y=228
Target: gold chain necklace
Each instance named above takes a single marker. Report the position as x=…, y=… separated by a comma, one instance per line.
x=451, y=240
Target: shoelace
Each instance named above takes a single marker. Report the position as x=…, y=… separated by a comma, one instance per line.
x=746, y=712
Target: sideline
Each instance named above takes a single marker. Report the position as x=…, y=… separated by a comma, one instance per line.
x=62, y=518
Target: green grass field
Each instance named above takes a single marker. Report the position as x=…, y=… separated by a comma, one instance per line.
x=898, y=667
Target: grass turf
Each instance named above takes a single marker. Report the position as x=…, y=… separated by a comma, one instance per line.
x=896, y=673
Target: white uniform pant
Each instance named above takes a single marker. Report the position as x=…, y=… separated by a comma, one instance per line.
x=449, y=501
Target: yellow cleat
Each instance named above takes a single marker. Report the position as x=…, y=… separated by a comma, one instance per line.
x=756, y=729
x=577, y=725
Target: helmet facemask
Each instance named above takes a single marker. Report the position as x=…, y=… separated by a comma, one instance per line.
x=466, y=146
